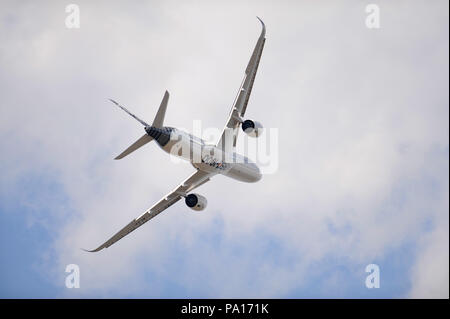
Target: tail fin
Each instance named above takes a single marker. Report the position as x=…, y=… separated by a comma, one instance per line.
x=157, y=122
x=159, y=118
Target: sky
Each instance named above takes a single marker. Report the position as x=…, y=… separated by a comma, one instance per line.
x=359, y=170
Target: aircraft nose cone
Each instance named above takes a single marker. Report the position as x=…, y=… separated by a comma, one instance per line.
x=259, y=176
x=257, y=172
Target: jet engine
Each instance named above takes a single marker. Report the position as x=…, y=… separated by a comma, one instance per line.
x=196, y=201
x=252, y=128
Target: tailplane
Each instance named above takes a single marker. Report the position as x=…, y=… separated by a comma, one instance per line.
x=140, y=142
x=157, y=123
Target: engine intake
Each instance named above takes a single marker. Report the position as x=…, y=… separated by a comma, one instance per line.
x=252, y=128
x=196, y=202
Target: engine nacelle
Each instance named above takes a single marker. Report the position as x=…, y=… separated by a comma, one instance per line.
x=196, y=201
x=252, y=128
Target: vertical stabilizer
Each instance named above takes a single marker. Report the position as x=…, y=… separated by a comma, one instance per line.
x=159, y=118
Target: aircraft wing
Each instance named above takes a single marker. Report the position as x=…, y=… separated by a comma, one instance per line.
x=240, y=103
x=195, y=180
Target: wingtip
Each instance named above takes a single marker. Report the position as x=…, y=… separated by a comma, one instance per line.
x=263, y=32
x=93, y=250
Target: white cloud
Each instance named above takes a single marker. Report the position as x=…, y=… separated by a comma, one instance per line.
x=430, y=272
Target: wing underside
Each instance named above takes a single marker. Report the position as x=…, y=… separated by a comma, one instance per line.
x=231, y=129
x=195, y=180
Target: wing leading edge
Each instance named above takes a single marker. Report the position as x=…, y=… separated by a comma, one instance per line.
x=231, y=129
x=195, y=180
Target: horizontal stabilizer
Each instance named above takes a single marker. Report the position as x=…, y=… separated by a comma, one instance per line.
x=129, y=113
x=140, y=142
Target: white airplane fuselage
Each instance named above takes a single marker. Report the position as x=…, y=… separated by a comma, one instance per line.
x=208, y=157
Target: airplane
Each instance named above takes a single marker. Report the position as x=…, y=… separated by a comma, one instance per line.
x=207, y=159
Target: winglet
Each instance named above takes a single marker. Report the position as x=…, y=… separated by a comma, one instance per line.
x=92, y=251
x=263, y=32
